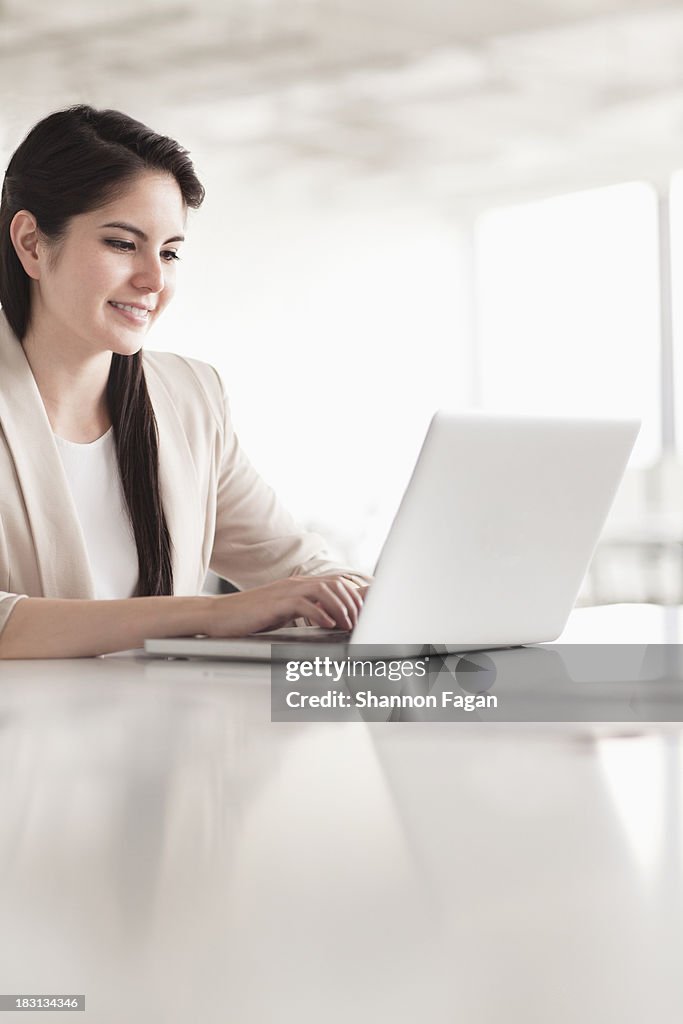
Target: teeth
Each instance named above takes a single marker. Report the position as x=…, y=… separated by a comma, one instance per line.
x=135, y=310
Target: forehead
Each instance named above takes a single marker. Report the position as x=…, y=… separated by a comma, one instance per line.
x=152, y=201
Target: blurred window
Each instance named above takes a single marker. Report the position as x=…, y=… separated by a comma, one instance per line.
x=568, y=308
x=676, y=212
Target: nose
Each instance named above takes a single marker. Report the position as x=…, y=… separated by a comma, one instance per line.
x=149, y=275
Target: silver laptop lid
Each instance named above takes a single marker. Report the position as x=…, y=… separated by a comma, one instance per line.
x=496, y=530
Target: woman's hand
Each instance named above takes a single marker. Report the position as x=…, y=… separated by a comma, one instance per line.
x=41, y=627
x=332, y=602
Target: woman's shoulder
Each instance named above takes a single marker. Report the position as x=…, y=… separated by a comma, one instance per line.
x=191, y=383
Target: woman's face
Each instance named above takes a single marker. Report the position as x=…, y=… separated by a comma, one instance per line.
x=109, y=279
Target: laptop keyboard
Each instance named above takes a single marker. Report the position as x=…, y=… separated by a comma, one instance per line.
x=305, y=634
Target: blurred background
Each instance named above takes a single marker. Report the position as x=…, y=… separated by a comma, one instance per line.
x=409, y=205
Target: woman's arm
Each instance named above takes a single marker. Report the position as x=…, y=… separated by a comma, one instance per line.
x=44, y=628
x=256, y=539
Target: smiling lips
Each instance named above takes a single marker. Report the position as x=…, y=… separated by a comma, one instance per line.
x=139, y=312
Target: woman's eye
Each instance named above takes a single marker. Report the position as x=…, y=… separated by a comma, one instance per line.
x=120, y=245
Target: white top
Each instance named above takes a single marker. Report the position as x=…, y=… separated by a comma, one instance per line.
x=92, y=471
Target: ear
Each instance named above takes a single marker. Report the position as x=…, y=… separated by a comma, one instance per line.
x=26, y=238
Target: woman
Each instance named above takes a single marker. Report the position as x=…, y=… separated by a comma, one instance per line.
x=121, y=479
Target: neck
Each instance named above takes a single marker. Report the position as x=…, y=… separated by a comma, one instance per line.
x=71, y=382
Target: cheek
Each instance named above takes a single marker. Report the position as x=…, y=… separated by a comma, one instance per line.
x=89, y=283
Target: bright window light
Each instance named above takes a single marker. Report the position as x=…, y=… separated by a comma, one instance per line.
x=568, y=299
x=676, y=211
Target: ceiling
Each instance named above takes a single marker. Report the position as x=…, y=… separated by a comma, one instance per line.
x=467, y=104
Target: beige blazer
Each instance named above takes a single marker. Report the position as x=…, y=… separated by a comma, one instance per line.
x=220, y=513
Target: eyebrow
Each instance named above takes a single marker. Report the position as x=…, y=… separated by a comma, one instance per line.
x=137, y=231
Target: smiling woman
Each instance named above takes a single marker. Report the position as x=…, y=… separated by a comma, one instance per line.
x=121, y=478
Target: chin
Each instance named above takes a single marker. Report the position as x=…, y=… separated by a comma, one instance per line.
x=126, y=350
x=127, y=346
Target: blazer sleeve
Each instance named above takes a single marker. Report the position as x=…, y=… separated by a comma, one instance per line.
x=256, y=539
x=7, y=599
x=8, y=603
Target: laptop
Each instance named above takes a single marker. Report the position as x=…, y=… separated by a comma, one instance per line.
x=488, y=548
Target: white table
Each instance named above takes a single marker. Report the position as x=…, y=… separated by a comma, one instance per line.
x=172, y=854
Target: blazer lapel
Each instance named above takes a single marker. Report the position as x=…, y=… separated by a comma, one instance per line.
x=57, y=536
x=179, y=488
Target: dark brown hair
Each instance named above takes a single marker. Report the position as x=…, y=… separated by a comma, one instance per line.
x=72, y=162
